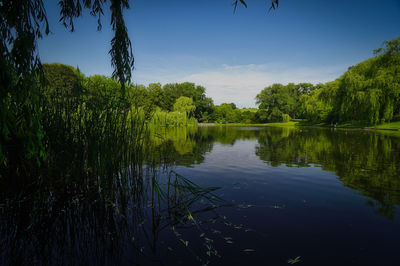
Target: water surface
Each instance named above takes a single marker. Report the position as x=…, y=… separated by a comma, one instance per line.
x=323, y=196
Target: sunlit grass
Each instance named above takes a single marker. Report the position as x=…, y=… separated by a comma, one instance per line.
x=290, y=123
x=393, y=125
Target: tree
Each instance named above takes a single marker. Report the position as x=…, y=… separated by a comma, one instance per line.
x=157, y=96
x=184, y=105
x=22, y=23
x=370, y=91
x=276, y=100
x=197, y=93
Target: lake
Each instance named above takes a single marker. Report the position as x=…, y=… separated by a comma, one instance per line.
x=219, y=195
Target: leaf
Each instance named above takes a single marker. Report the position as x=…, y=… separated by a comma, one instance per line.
x=186, y=243
x=295, y=260
x=243, y=3
x=249, y=250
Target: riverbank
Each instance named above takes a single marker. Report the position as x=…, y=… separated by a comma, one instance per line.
x=393, y=126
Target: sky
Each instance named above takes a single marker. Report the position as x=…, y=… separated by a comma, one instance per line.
x=233, y=55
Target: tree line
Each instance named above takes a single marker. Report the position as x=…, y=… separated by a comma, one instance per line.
x=367, y=93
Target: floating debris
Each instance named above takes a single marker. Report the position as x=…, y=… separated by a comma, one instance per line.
x=295, y=260
x=190, y=217
x=186, y=243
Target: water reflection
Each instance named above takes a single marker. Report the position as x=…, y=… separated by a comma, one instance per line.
x=366, y=161
x=147, y=214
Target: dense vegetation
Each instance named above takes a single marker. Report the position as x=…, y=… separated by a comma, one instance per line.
x=367, y=93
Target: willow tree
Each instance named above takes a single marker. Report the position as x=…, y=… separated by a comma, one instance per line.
x=22, y=23
x=370, y=91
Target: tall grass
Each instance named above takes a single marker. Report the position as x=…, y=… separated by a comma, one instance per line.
x=98, y=185
x=175, y=118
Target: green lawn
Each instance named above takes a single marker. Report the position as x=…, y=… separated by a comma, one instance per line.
x=299, y=122
x=290, y=123
x=393, y=125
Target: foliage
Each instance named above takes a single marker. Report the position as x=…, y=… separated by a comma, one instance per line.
x=278, y=100
x=274, y=4
x=370, y=91
x=313, y=108
x=184, y=105
x=202, y=103
x=164, y=118
x=285, y=118
x=22, y=23
x=367, y=93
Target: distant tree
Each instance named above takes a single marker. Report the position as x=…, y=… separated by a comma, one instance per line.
x=203, y=104
x=279, y=99
x=184, y=105
x=156, y=95
x=276, y=101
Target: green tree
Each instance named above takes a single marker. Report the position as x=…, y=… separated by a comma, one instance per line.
x=22, y=23
x=370, y=91
x=184, y=105
x=276, y=100
x=197, y=93
x=157, y=95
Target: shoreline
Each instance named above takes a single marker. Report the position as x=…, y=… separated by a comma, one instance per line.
x=296, y=124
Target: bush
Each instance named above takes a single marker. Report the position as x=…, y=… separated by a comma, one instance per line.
x=286, y=117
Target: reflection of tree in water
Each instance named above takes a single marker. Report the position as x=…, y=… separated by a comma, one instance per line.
x=188, y=145
x=106, y=208
x=365, y=161
x=85, y=223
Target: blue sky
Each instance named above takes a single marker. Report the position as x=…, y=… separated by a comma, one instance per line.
x=233, y=55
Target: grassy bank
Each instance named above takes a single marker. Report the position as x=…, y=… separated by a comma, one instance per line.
x=386, y=126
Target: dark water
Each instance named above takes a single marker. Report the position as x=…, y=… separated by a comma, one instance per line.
x=325, y=197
